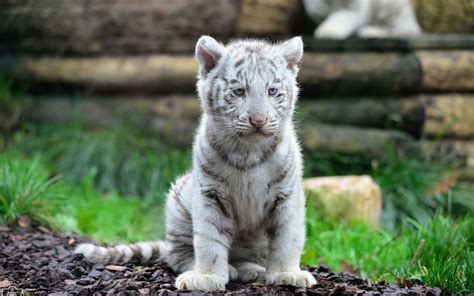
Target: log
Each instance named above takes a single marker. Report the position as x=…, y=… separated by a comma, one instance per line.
x=447, y=70
x=406, y=114
x=460, y=152
x=378, y=73
x=323, y=73
x=113, y=26
x=113, y=75
x=454, y=16
x=267, y=17
x=422, y=42
x=446, y=115
x=428, y=115
x=449, y=115
x=346, y=198
x=358, y=141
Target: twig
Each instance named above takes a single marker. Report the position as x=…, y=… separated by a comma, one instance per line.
x=418, y=251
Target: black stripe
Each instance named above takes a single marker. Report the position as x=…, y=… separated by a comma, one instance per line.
x=155, y=252
x=279, y=200
x=215, y=198
x=239, y=62
x=284, y=172
x=291, y=187
x=183, y=252
x=137, y=253
x=181, y=208
x=273, y=72
x=179, y=235
x=207, y=170
x=114, y=255
x=211, y=239
x=221, y=228
x=273, y=64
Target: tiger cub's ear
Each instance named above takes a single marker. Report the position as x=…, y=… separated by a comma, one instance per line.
x=208, y=53
x=292, y=50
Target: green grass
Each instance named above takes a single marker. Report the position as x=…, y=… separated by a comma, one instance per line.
x=111, y=218
x=445, y=260
x=27, y=189
x=121, y=160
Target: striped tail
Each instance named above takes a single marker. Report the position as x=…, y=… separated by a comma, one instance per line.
x=143, y=252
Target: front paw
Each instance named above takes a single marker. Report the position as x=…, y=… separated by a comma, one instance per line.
x=193, y=280
x=300, y=278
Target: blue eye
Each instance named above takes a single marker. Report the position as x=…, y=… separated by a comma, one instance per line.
x=239, y=92
x=272, y=91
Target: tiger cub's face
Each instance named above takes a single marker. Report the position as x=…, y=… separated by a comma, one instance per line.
x=248, y=88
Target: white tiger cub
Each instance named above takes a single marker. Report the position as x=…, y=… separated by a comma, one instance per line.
x=239, y=214
x=367, y=18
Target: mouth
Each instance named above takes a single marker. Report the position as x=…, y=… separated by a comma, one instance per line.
x=255, y=133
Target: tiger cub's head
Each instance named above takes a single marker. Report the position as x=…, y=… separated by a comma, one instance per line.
x=248, y=88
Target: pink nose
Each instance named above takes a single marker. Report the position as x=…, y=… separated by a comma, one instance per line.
x=258, y=123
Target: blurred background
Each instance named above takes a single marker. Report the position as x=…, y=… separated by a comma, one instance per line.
x=98, y=110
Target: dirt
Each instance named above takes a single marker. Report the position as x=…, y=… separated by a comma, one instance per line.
x=39, y=261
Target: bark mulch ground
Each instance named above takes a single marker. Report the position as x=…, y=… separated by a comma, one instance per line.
x=38, y=261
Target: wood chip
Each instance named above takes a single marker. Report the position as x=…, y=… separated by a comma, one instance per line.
x=69, y=282
x=5, y=283
x=44, y=229
x=24, y=222
x=4, y=228
x=115, y=267
x=71, y=241
x=144, y=291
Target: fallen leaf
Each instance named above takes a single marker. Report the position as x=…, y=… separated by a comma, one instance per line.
x=115, y=267
x=24, y=222
x=69, y=282
x=346, y=267
x=443, y=186
x=5, y=283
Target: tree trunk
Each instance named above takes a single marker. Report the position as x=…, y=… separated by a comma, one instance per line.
x=113, y=75
x=335, y=74
x=267, y=17
x=405, y=114
x=87, y=27
x=447, y=70
x=460, y=152
x=381, y=73
x=360, y=141
x=449, y=115
x=453, y=16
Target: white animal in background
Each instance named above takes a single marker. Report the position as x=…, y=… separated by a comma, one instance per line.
x=340, y=19
x=240, y=212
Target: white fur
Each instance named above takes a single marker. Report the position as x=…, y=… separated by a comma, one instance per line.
x=367, y=18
